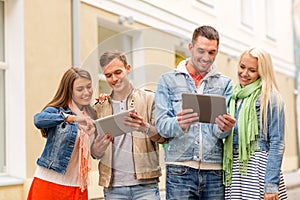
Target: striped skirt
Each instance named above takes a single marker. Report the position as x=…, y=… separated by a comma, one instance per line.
x=251, y=186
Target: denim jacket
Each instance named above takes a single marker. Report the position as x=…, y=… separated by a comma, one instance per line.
x=271, y=142
x=60, y=140
x=203, y=142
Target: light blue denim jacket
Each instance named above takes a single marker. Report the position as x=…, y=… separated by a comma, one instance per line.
x=272, y=142
x=61, y=138
x=203, y=142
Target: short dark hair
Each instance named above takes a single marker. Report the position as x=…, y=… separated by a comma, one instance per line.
x=110, y=55
x=206, y=31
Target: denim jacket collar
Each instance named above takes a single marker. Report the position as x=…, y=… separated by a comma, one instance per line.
x=181, y=69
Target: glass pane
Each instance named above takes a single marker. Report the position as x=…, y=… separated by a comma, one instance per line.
x=110, y=40
x=179, y=56
x=1, y=31
x=271, y=21
x=2, y=122
x=247, y=13
x=208, y=3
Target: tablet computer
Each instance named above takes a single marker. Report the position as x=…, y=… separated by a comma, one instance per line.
x=113, y=124
x=207, y=106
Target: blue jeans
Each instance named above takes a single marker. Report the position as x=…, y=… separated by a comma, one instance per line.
x=145, y=191
x=188, y=183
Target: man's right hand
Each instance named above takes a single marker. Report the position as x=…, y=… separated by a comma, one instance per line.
x=186, y=118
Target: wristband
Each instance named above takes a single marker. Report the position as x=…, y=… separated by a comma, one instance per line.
x=161, y=140
x=148, y=126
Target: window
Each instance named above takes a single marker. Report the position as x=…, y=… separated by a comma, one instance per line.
x=1, y=31
x=207, y=6
x=179, y=56
x=2, y=123
x=2, y=91
x=247, y=13
x=108, y=39
x=12, y=93
x=207, y=3
x=271, y=7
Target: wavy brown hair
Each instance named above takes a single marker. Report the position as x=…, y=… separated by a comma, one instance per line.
x=64, y=92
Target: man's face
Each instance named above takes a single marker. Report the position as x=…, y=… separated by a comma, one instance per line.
x=116, y=74
x=203, y=53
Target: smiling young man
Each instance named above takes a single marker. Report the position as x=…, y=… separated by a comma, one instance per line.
x=194, y=152
x=129, y=164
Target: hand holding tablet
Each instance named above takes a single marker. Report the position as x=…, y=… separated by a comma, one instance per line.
x=114, y=124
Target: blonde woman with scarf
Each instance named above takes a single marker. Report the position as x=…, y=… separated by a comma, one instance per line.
x=253, y=152
x=67, y=123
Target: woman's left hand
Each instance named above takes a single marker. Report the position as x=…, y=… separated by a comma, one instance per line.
x=271, y=196
x=87, y=124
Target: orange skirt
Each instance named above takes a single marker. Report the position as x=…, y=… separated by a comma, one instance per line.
x=44, y=190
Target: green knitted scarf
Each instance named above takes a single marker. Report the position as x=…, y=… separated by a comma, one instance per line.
x=247, y=129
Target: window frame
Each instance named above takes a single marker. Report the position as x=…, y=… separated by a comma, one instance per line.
x=207, y=6
x=3, y=67
x=247, y=19
x=15, y=172
x=271, y=6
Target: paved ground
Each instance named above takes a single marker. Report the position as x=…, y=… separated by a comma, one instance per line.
x=294, y=194
x=292, y=180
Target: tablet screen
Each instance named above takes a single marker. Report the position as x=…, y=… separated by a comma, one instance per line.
x=207, y=106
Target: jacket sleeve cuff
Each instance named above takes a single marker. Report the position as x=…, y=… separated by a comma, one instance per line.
x=271, y=188
x=186, y=130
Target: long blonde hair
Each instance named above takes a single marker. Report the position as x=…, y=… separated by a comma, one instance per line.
x=268, y=83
